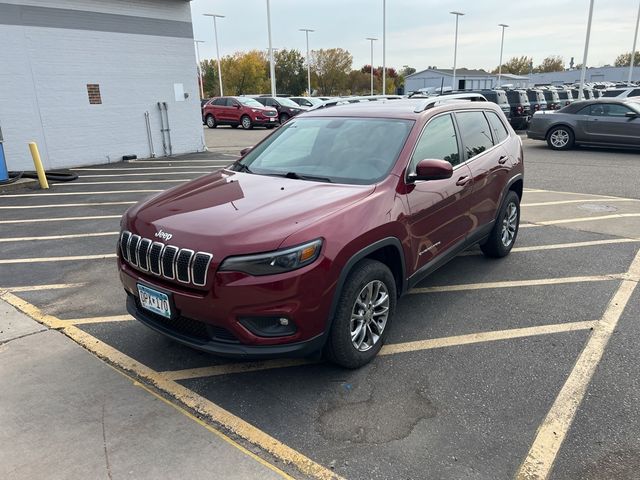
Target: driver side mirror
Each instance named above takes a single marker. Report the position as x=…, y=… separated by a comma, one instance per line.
x=631, y=115
x=244, y=151
x=432, y=169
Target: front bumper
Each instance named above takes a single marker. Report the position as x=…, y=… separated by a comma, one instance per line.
x=264, y=121
x=222, y=348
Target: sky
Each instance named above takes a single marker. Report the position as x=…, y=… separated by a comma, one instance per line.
x=420, y=33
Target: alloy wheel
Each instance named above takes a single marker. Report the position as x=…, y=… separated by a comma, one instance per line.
x=559, y=138
x=509, y=224
x=369, y=315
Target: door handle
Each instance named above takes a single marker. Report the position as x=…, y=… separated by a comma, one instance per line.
x=503, y=159
x=463, y=180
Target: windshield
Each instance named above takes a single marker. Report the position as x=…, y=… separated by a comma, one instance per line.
x=342, y=150
x=286, y=102
x=249, y=102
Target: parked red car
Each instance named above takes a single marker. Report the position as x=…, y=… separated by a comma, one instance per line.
x=307, y=242
x=236, y=111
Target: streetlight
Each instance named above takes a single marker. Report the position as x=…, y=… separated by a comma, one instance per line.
x=306, y=31
x=272, y=68
x=384, y=47
x=215, y=34
x=501, y=46
x=371, y=39
x=633, y=50
x=199, y=68
x=586, y=51
x=455, y=50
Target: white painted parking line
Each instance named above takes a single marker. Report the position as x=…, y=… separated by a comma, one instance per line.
x=64, y=205
x=389, y=349
x=588, y=219
x=8, y=261
x=57, y=194
x=143, y=174
x=514, y=284
x=590, y=195
x=589, y=200
x=556, y=424
x=58, y=237
x=535, y=248
x=138, y=162
x=36, y=288
x=58, y=219
x=75, y=184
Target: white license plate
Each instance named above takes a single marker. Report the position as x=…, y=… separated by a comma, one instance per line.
x=154, y=301
x=272, y=119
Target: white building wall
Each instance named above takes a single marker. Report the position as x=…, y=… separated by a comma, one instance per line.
x=603, y=74
x=44, y=74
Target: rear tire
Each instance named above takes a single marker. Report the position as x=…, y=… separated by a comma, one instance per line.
x=561, y=138
x=211, y=121
x=363, y=315
x=504, y=232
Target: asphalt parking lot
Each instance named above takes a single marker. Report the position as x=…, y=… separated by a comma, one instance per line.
x=524, y=367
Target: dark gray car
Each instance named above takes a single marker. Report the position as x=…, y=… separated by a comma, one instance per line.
x=610, y=122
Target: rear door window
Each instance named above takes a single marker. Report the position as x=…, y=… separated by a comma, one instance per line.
x=218, y=102
x=612, y=93
x=497, y=127
x=475, y=133
x=635, y=93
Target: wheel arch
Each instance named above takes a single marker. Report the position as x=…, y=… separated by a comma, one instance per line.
x=561, y=124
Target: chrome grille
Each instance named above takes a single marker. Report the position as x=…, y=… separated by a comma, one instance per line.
x=173, y=263
x=270, y=113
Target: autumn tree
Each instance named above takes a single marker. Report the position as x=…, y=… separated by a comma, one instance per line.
x=516, y=66
x=242, y=73
x=624, y=60
x=331, y=68
x=210, y=78
x=359, y=82
x=291, y=72
x=554, y=63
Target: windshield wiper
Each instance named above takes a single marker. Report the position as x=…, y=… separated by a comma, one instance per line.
x=241, y=167
x=297, y=176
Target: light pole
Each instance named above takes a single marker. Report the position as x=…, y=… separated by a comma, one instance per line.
x=371, y=39
x=306, y=31
x=501, y=47
x=199, y=68
x=215, y=34
x=384, y=47
x=455, y=50
x=586, y=51
x=272, y=68
x=633, y=50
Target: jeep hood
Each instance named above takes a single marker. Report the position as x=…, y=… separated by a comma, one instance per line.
x=235, y=213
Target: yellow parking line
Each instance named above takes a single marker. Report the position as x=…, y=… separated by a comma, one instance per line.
x=34, y=288
x=58, y=237
x=513, y=284
x=90, y=320
x=110, y=192
x=563, y=202
x=64, y=205
x=588, y=219
x=75, y=184
x=482, y=337
x=192, y=400
x=554, y=428
x=58, y=219
x=389, y=349
x=8, y=261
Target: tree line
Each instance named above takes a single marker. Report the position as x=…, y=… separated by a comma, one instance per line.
x=332, y=72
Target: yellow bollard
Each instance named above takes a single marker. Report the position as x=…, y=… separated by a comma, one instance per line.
x=42, y=178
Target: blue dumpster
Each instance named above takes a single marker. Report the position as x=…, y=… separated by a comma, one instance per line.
x=4, y=174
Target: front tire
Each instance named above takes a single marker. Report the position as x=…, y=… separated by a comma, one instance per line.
x=283, y=118
x=504, y=232
x=246, y=122
x=365, y=309
x=561, y=138
x=211, y=121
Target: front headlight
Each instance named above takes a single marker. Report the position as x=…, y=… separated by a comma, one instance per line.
x=271, y=263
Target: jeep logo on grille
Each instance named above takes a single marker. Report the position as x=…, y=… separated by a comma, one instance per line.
x=163, y=235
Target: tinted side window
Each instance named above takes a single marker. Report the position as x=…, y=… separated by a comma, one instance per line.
x=219, y=101
x=497, y=127
x=635, y=93
x=475, y=133
x=438, y=140
x=230, y=102
x=584, y=111
x=262, y=100
x=614, y=110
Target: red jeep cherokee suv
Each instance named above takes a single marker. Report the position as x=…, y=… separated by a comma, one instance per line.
x=307, y=241
x=236, y=111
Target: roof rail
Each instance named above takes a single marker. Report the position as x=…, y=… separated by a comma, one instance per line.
x=432, y=102
x=354, y=99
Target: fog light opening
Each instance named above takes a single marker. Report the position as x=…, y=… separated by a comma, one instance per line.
x=269, y=326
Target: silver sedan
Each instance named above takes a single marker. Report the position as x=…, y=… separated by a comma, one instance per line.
x=605, y=122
